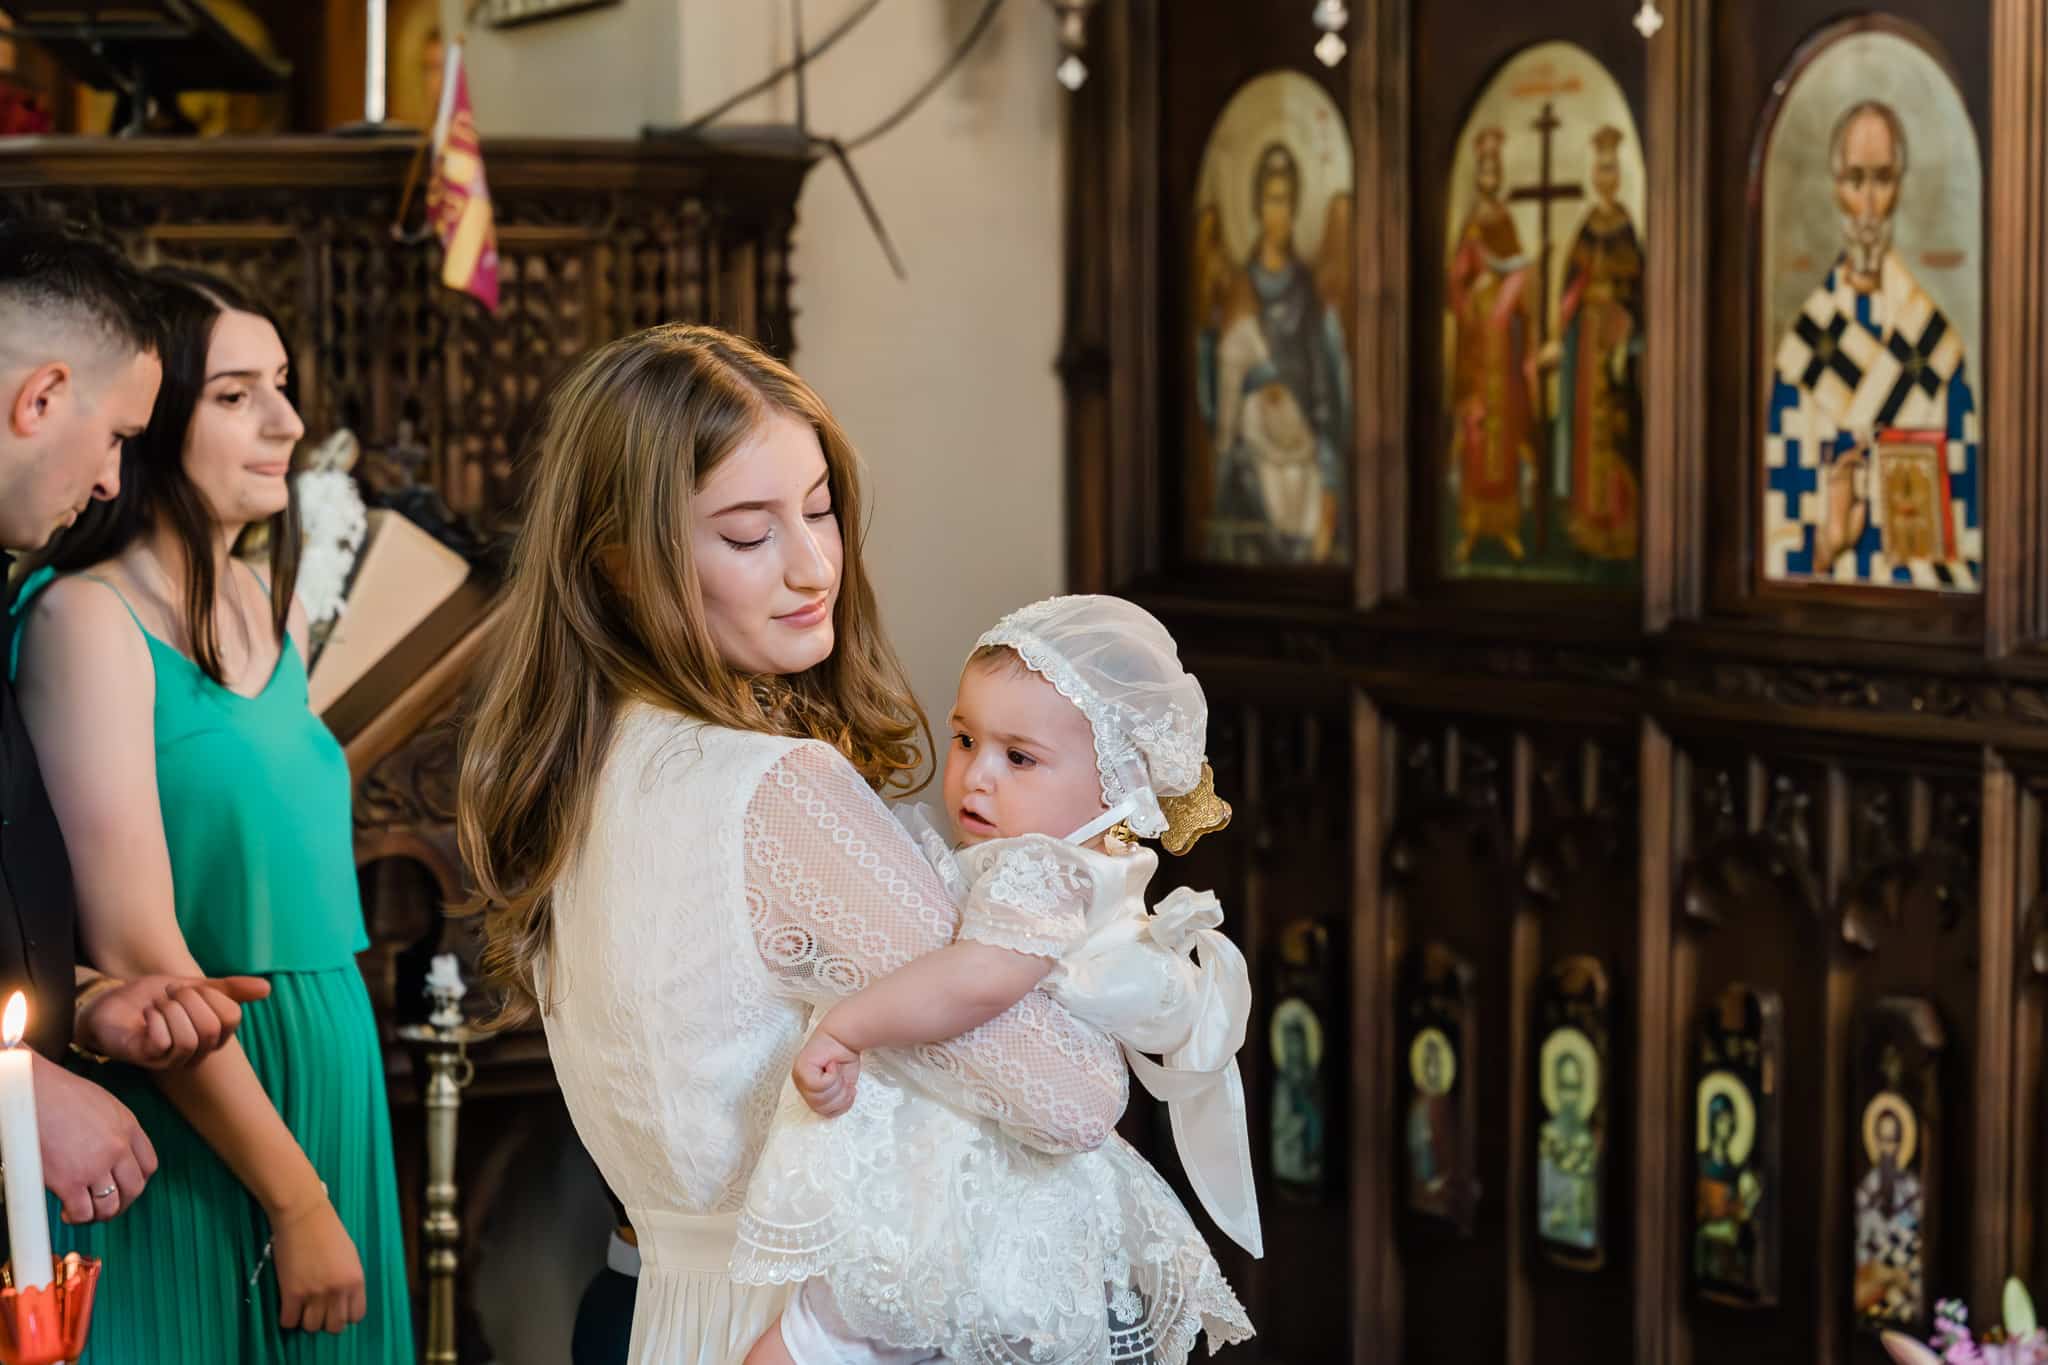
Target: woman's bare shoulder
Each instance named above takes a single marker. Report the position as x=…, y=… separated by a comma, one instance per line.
x=87, y=611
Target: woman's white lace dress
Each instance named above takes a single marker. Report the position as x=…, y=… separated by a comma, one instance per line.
x=728, y=882
x=936, y=1229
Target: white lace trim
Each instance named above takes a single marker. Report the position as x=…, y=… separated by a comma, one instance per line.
x=936, y=1231
x=1016, y=940
x=1036, y=885
x=1134, y=753
x=1030, y=896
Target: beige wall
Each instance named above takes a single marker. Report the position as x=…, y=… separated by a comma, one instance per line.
x=945, y=380
x=593, y=73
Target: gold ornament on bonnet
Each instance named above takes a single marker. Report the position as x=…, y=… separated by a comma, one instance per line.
x=1189, y=817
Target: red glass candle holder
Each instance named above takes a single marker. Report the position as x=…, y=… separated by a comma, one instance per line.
x=48, y=1324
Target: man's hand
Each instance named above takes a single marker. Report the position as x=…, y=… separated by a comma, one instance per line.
x=96, y=1158
x=826, y=1073
x=166, y=1021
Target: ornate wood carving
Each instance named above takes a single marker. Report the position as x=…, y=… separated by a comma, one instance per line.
x=1732, y=862
x=1889, y=878
x=1880, y=868
x=1960, y=708
x=1453, y=785
x=1584, y=812
x=595, y=239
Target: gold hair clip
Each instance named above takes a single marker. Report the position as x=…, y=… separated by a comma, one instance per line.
x=1190, y=816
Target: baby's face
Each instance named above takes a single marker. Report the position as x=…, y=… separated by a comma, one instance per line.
x=1021, y=759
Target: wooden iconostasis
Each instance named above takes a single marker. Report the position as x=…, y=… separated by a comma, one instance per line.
x=1598, y=481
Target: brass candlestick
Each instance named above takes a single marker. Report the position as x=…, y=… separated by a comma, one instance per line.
x=444, y=1043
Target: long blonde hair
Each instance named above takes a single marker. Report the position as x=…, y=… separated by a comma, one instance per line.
x=626, y=438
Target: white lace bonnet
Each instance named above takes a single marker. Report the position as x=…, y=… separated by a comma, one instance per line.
x=1114, y=661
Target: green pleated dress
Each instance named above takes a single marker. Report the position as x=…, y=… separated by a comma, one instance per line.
x=255, y=797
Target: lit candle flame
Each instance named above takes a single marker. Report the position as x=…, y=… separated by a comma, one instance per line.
x=14, y=1022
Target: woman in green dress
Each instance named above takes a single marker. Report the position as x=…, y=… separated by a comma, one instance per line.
x=206, y=809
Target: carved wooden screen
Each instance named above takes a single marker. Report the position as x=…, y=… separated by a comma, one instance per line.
x=595, y=240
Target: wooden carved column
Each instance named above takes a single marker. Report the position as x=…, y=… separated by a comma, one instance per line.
x=2017, y=420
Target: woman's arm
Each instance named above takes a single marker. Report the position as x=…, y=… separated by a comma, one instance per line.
x=841, y=897
x=87, y=689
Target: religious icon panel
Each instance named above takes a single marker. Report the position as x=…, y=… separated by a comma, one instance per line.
x=1895, y=1133
x=1543, y=330
x=1872, y=323
x=1737, y=1197
x=1573, y=1025
x=1269, y=449
x=1440, y=1084
x=1301, y=1066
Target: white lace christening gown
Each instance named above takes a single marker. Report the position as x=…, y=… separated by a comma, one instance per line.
x=728, y=883
x=934, y=1228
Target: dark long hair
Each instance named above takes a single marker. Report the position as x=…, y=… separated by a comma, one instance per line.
x=154, y=484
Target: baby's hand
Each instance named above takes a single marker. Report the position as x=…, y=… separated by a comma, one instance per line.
x=826, y=1072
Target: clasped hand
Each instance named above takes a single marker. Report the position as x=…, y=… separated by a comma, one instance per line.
x=96, y=1158
x=166, y=1021
x=826, y=1073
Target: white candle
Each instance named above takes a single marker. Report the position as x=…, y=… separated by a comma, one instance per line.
x=21, y=1152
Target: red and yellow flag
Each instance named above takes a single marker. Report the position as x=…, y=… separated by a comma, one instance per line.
x=458, y=200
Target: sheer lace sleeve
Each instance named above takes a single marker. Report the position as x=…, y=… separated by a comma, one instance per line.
x=1029, y=895
x=838, y=895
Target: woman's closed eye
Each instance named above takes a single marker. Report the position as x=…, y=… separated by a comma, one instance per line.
x=232, y=398
x=768, y=534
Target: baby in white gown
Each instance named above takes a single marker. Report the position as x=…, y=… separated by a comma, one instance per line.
x=921, y=1233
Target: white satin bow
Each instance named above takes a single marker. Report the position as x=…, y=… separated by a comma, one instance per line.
x=1199, y=1081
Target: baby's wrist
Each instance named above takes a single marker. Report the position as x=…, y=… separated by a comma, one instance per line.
x=833, y=1028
